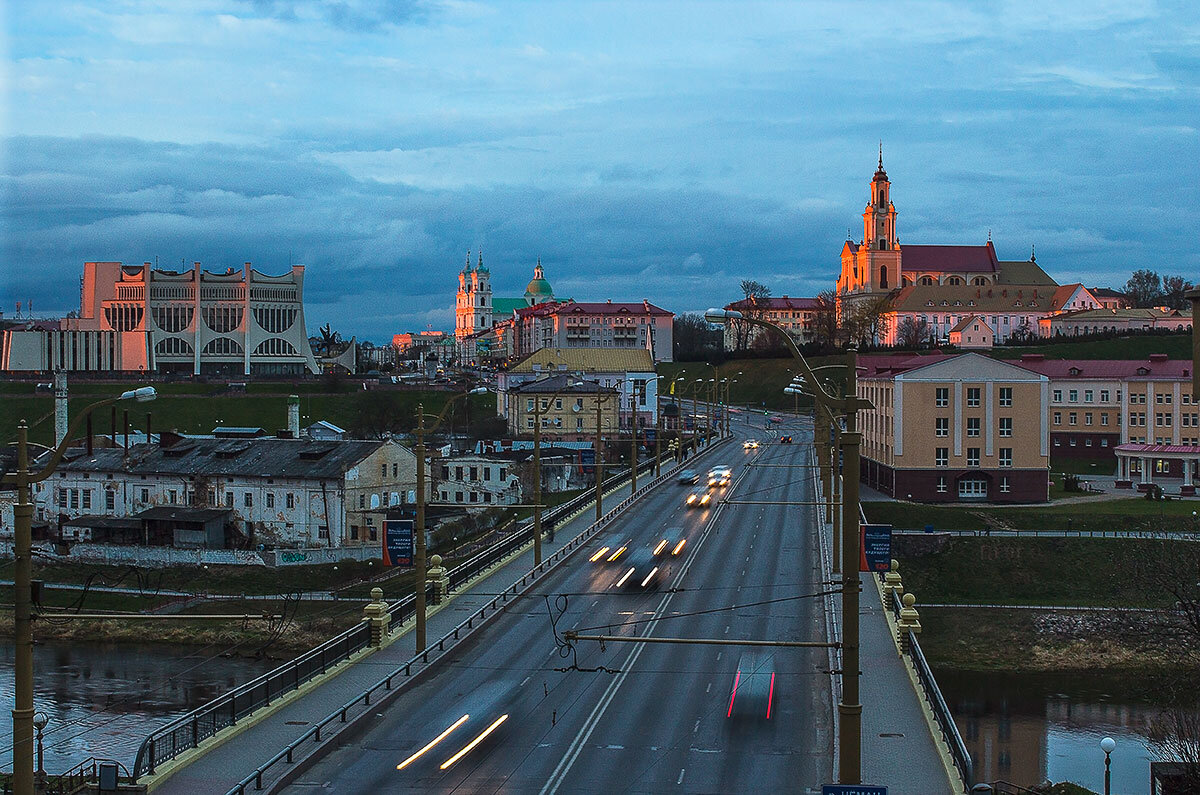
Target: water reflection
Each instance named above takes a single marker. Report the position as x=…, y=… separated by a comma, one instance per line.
x=103, y=699
x=1026, y=729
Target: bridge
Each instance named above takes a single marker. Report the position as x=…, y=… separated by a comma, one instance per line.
x=514, y=697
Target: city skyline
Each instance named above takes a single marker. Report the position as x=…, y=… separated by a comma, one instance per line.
x=640, y=154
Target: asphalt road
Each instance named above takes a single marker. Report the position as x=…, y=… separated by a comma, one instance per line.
x=631, y=717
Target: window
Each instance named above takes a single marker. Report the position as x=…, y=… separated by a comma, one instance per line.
x=1073, y=395
x=1005, y=396
x=247, y=499
x=1087, y=418
x=373, y=534
x=172, y=497
x=1162, y=420
x=972, y=456
x=1058, y=418
x=110, y=500
x=529, y=404
x=1006, y=427
x=1004, y=487
x=458, y=496
x=942, y=457
x=290, y=501
x=1104, y=418
x=941, y=484
x=362, y=501
x=1072, y=418
x=942, y=398
x=353, y=532
x=972, y=489
x=270, y=499
x=973, y=396
x=474, y=473
x=1058, y=396
x=529, y=422
x=1103, y=395
x=383, y=470
x=87, y=498
x=973, y=424
x=1005, y=456
x=1087, y=395
x=228, y=499
x=487, y=474
x=395, y=470
x=941, y=426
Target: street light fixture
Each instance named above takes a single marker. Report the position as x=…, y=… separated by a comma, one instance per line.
x=40, y=719
x=846, y=406
x=1108, y=745
x=22, y=478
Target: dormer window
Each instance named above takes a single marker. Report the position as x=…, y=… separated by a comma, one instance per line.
x=1016, y=303
x=1075, y=371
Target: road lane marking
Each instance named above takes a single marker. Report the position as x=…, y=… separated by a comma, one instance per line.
x=709, y=688
x=696, y=728
x=524, y=682
x=680, y=779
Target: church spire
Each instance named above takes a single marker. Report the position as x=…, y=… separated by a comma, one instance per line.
x=480, y=265
x=880, y=174
x=1032, y=253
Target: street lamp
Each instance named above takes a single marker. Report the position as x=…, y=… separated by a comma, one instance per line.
x=846, y=406
x=40, y=719
x=22, y=478
x=1108, y=745
x=419, y=528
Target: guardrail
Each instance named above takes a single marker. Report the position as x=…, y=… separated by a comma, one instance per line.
x=189, y=730
x=937, y=703
x=72, y=780
x=1181, y=535
x=422, y=662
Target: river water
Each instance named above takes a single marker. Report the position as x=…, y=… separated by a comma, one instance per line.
x=103, y=699
x=1028, y=728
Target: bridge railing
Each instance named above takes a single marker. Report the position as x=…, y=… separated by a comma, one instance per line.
x=937, y=702
x=189, y=730
x=1165, y=535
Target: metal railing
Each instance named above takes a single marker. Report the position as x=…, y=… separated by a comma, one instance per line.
x=407, y=671
x=937, y=703
x=74, y=779
x=189, y=730
x=1164, y=535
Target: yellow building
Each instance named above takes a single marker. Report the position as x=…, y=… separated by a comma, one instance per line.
x=566, y=405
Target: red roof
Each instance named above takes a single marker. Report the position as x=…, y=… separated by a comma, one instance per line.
x=1158, y=448
x=608, y=308
x=890, y=364
x=940, y=259
x=1156, y=367
x=777, y=303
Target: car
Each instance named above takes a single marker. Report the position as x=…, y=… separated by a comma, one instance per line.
x=688, y=476
x=719, y=476
x=785, y=439
x=750, y=444
x=698, y=498
x=611, y=551
x=671, y=543
x=640, y=571
x=753, y=688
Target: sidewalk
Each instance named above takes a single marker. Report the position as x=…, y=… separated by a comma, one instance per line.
x=221, y=762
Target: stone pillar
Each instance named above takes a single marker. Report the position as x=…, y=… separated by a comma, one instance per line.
x=892, y=584
x=1188, y=489
x=439, y=578
x=376, y=615
x=910, y=621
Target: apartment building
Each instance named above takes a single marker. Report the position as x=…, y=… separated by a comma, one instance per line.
x=799, y=317
x=566, y=405
x=630, y=372
x=489, y=479
x=954, y=428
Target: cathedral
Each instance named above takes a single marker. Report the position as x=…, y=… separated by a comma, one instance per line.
x=477, y=311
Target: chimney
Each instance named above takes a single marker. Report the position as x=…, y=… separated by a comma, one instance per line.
x=294, y=416
x=60, y=406
x=1158, y=357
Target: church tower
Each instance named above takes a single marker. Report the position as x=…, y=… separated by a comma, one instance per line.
x=872, y=267
x=481, y=297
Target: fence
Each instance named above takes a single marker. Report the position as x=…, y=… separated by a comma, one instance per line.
x=937, y=703
x=189, y=730
x=1181, y=535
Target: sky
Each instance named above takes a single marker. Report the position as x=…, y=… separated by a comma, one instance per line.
x=663, y=151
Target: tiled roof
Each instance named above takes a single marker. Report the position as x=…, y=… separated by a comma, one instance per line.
x=1148, y=313
x=1148, y=369
x=609, y=308
x=589, y=360
x=972, y=298
x=949, y=259
x=565, y=383
x=892, y=363
x=1023, y=272
x=785, y=302
x=962, y=324
x=1186, y=449
x=264, y=458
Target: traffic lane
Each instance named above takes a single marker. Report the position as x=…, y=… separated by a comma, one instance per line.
x=516, y=642
x=670, y=736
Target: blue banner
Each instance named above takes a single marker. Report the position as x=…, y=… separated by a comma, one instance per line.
x=397, y=542
x=876, y=547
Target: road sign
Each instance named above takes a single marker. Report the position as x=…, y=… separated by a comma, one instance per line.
x=397, y=542
x=876, y=547
x=853, y=789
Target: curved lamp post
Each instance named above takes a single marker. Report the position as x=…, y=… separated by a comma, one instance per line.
x=419, y=530
x=847, y=405
x=1108, y=745
x=22, y=478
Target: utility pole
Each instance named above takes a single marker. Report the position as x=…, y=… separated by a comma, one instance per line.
x=419, y=530
x=599, y=462
x=849, y=708
x=633, y=447
x=537, y=480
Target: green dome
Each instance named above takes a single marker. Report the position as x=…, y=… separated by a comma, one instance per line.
x=538, y=287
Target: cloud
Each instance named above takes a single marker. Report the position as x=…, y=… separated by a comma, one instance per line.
x=351, y=15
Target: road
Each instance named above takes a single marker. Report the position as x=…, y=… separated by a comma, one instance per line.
x=629, y=717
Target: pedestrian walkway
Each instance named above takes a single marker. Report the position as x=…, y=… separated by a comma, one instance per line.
x=237, y=754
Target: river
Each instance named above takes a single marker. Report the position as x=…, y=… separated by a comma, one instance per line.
x=1027, y=728
x=103, y=699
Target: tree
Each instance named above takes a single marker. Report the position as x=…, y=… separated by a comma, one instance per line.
x=694, y=338
x=753, y=292
x=868, y=320
x=1144, y=288
x=825, y=322
x=1174, y=288
x=913, y=333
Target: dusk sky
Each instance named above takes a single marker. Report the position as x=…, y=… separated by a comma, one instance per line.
x=642, y=150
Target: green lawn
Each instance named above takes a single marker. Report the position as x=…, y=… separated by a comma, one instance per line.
x=1136, y=346
x=759, y=381
x=1093, y=467
x=1132, y=513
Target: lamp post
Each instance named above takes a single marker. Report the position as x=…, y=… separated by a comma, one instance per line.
x=600, y=454
x=40, y=719
x=847, y=405
x=1108, y=745
x=23, y=713
x=419, y=528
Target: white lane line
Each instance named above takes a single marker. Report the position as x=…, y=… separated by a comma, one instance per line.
x=696, y=728
x=709, y=688
x=524, y=682
x=680, y=779
x=719, y=654
x=727, y=629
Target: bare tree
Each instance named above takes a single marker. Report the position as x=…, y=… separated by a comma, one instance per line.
x=913, y=333
x=825, y=322
x=753, y=292
x=868, y=319
x=1174, y=288
x=694, y=338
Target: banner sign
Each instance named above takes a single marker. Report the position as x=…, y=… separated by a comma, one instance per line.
x=876, y=546
x=397, y=542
